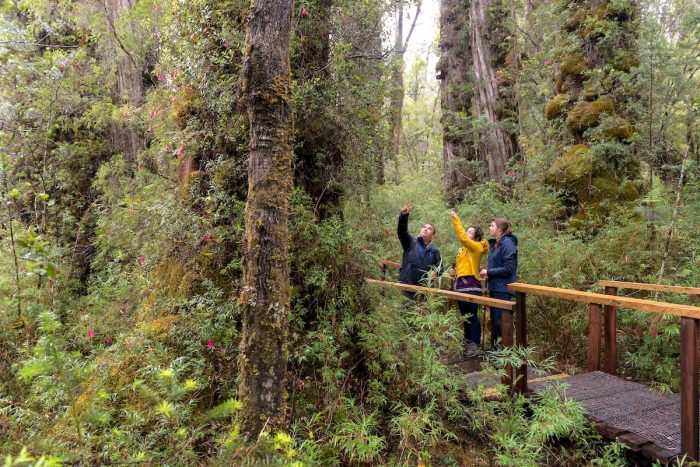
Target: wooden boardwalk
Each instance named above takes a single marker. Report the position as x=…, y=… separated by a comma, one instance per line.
x=659, y=426
x=646, y=421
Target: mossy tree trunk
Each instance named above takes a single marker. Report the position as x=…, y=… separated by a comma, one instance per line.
x=264, y=295
x=493, y=62
x=598, y=167
x=459, y=156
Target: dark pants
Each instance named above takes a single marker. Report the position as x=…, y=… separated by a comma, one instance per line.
x=471, y=323
x=496, y=312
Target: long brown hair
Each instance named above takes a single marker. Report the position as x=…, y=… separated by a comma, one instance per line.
x=504, y=225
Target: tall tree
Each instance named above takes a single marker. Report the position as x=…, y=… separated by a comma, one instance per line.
x=459, y=156
x=397, y=92
x=494, y=63
x=597, y=167
x=265, y=289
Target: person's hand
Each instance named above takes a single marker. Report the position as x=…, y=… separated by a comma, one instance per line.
x=453, y=215
x=451, y=272
x=406, y=208
x=484, y=274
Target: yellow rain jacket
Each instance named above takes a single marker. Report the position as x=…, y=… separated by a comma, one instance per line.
x=468, y=261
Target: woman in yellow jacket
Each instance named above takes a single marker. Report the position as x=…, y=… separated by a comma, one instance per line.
x=468, y=265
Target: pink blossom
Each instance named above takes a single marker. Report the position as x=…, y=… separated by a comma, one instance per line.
x=161, y=77
x=150, y=129
x=547, y=62
x=142, y=260
x=304, y=12
x=138, y=166
x=210, y=344
x=179, y=151
x=206, y=238
x=388, y=233
x=90, y=333
x=511, y=174
x=173, y=74
x=108, y=341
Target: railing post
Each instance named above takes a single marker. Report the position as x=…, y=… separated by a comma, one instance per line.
x=594, y=329
x=689, y=388
x=507, y=341
x=610, y=334
x=384, y=268
x=521, y=339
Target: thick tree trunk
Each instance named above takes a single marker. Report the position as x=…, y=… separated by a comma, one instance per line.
x=459, y=156
x=264, y=296
x=492, y=73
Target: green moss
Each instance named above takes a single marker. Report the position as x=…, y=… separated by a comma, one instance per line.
x=574, y=22
x=624, y=61
x=590, y=93
x=618, y=128
x=585, y=115
x=629, y=190
x=573, y=169
x=556, y=107
x=574, y=65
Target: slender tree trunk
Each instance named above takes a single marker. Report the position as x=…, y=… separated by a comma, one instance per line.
x=264, y=296
x=397, y=92
x=459, y=156
x=129, y=86
x=492, y=73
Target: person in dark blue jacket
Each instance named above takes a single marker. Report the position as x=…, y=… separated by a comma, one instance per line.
x=502, y=265
x=419, y=253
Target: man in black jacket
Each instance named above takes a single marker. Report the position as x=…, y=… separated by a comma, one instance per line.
x=419, y=254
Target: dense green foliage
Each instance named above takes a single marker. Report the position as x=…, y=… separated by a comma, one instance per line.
x=119, y=321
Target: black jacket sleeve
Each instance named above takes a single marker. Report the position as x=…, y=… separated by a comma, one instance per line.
x=402, y=232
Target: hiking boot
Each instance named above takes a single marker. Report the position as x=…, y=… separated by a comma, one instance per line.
x=472, y=350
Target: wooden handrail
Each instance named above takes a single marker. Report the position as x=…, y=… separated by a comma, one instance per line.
x=611, y=300
x=651, y=287
x=460, y=297
x=391, y=264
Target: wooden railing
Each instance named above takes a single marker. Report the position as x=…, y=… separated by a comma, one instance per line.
x=690, y=326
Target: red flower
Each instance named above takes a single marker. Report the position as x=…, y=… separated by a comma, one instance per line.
x=108, y=341
x=388, y=233
x=179, y=151
x=90, y=334
x=511, y=174
x=304, y=12
x=142, y=260
x=210, y=344
x=161, y=77
x=206, y=238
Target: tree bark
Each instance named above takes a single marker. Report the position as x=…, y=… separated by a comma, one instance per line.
x=492, y=74
x=459, y=156
x=264, y=296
